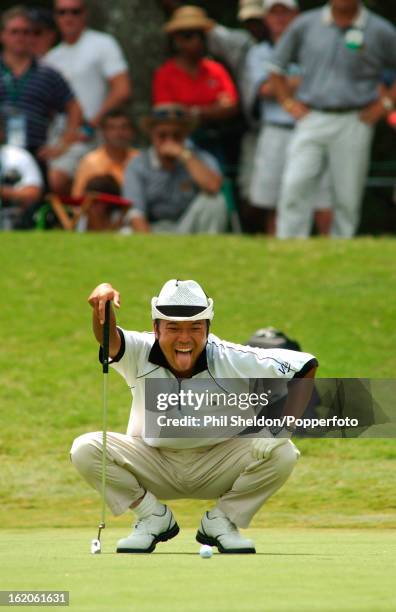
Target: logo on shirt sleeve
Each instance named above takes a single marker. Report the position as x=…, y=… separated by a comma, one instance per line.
x=284, y=367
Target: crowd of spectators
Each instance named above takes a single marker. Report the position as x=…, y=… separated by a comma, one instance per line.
x=284, y=106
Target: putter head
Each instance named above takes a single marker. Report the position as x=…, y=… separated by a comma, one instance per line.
x=96, y=548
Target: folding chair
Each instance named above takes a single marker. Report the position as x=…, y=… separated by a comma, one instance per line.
x=69, y=210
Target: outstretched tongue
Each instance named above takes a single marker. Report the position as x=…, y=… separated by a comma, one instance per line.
x=183, y=360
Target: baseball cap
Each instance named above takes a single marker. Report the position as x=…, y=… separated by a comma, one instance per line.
x=291, y=4
x=250, y=9
x=182, y=301
x=42, y=17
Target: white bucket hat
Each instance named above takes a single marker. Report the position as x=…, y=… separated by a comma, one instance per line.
x=182, y=301
x=291, y=4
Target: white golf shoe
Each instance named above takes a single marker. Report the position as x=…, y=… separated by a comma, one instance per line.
x=148, y=531
x=217, y=530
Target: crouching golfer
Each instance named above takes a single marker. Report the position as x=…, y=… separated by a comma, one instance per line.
x=240, y=473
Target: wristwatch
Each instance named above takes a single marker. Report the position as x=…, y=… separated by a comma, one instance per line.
x=185, y=155
x=288, y=104
x=387, y=103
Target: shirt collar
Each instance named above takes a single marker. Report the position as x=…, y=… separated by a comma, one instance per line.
x=79, y=39
x=360, y=20
x=157, y=357
x=33, y=65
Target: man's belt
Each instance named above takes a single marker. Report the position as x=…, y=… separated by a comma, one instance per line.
x=284, y=126
x=339, y=110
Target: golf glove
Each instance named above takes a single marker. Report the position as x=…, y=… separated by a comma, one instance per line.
x=263, y=447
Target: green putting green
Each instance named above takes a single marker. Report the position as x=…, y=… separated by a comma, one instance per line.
x=294, y=569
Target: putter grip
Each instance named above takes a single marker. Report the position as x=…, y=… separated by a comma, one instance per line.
x=106, y=338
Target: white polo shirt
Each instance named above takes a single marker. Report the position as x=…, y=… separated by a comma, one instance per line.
x=87, y=65
x=141, y=358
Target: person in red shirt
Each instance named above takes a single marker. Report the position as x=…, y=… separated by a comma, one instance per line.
x=189, y=78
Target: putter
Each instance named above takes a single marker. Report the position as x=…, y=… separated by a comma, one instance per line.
x=96, y=547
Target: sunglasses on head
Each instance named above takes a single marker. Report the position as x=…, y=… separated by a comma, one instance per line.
x=71, y=11
x=164, y=113
x=189, y=34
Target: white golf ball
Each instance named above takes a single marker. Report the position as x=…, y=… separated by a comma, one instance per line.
x=205, y=552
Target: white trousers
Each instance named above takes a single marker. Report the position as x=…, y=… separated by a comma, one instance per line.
x=341, y=141
x=207, y=214
x=246, y=162
x=269, y=166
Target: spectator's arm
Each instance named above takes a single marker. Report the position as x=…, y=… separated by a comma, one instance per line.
x=286, y=50
x=267, y=88
x=201, y=167
x=229, y=45
x=256, y=79
x=74, y=117
x=64, y=101
x=219, y=111
x=388, y=42
x=226, y=105
x=114, y=68
x=386, y=101
x=284, y=92
x=279, y=84
x=203, y=175
x=381, y=108
x=120, y=91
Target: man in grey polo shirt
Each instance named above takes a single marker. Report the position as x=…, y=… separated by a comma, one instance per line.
x=342, y=48
x=277, y=125
x=174, y=187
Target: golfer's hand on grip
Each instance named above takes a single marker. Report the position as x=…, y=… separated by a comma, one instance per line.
x=98, y=298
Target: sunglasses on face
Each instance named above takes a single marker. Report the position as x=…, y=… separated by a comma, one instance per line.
x=17, y=31
x=190, y=34
x=75, y=12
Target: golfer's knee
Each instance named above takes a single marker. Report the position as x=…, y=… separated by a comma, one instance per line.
x=285, y=458
x=84, y=449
